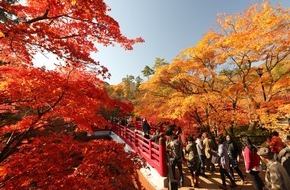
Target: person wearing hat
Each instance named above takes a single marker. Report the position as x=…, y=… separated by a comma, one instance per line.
x=276, y=177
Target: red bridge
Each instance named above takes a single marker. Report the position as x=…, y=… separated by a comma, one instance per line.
x=154, y=154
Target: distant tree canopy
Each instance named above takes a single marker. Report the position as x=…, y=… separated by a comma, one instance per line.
x=215, y=84
x=147, y=71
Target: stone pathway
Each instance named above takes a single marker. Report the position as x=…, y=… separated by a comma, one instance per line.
x=210, y=183
x=214, y=180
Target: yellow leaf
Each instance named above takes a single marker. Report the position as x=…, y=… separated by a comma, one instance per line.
x=2, y=35
x=3, y=85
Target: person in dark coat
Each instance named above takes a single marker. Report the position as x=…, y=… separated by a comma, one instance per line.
x=193, y=161
x=233, y=152
x=176, y=149
x=146, y=128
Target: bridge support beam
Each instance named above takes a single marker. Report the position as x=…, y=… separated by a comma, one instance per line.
x=163, y=162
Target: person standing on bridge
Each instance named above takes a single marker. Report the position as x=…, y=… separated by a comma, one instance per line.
x=192, y=161
x=176, y=150
x=146, y=128
x=156, y=136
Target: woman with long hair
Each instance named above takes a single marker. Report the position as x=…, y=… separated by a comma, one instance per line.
x=252, y=163
x=233, y=152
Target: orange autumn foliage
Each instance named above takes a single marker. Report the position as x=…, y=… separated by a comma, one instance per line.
x=215, y=84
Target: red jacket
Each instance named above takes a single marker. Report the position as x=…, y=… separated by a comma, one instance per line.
x=251, y=159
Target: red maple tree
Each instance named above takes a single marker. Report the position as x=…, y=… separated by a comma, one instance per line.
x=37, y=96
x=58, y=161
x=37, y=101
x=69, y=29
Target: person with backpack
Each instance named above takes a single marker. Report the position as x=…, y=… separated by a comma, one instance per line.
x=176, y=149
x=208, y=145
x=192, y=161
x=276, y=177
x=252, y=163
x=233, y=152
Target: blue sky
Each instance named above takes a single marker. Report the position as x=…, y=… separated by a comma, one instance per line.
x=167, y=26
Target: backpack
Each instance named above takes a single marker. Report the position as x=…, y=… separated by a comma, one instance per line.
x=284, y=159
x=192, y=156
x=191, y=151
x=177, y=152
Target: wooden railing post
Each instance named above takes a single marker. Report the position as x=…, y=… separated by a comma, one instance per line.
x=162, y=157
x=116, y=127
x=150, y=149
x=135, y=139
x=120, y=130
x=125, y=132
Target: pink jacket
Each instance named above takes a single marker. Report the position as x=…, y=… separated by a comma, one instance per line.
x=251, y=159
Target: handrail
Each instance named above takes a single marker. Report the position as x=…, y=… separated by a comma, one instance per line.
x=154, y=154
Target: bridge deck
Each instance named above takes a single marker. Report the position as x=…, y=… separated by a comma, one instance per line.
x=212, y=182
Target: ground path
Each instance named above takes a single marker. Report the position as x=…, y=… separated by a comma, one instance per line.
x=210, y=183
x=144, y=183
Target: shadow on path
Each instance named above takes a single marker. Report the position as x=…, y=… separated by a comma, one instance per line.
x=214, y=180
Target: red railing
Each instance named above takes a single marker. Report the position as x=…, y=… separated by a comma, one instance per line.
x=154, y=154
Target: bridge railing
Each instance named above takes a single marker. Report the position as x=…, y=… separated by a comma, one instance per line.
x=154, y=154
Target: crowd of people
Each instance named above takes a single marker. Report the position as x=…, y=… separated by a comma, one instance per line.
x=202, y=153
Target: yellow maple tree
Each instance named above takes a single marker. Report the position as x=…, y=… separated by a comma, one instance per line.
x=234, y=75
